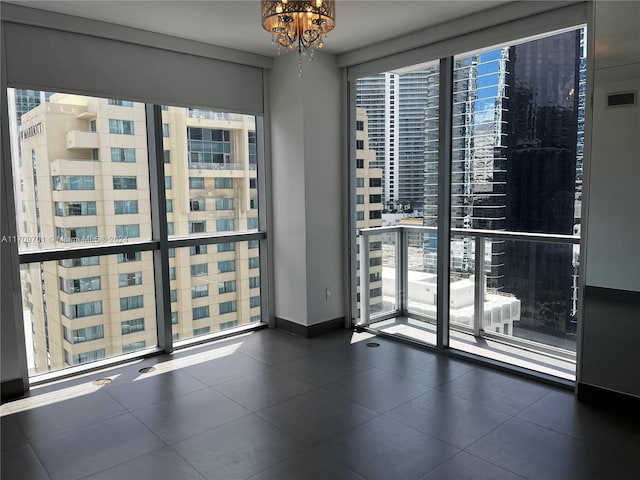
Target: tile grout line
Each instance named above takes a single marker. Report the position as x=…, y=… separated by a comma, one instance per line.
x=169, y=444
x=77, y=427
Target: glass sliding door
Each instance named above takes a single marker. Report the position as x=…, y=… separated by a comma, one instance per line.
x=396, y=184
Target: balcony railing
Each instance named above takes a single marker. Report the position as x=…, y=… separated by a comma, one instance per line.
x=215, y=166
x=514, y=287
x=209, y=115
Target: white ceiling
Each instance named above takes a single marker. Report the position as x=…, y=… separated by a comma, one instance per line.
x=236, y=24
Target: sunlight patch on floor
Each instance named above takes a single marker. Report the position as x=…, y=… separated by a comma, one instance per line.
x=50, y=398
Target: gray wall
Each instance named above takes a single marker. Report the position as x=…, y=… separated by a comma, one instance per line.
x=308, y=208
x=324, y=199
x=611, y=316
x=288, y=198
x=13, y=361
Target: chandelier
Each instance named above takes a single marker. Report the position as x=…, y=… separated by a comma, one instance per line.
x=301, y=23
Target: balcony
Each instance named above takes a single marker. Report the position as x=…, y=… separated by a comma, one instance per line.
x=513, y=296
x=82, y=139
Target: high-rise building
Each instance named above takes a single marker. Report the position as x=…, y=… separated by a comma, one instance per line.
x=542, y=143
x=369, y=208
x=413, y=90
x=375, y=97
x=20, y=101
x=85, y=179
x=396, y=104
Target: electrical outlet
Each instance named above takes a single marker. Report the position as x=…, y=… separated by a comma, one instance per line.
x=328, y=293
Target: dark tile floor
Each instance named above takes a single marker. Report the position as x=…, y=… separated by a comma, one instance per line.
x=267, y=405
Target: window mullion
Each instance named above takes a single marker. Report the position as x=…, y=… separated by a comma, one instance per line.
x=155, y=149
x=444, y=200
x=263, y=219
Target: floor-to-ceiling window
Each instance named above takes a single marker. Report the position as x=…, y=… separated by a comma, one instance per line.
x=90, y=254
x=515, y=131
x=211, y=160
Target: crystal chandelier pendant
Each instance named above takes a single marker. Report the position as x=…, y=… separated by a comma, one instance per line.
x=301, y=23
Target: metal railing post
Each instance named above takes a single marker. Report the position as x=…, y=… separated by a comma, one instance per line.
x=478, y=299
x=364, y=278
x=402, y=271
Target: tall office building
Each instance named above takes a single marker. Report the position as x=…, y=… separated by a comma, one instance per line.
x=85, y=179
x=542, y=146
